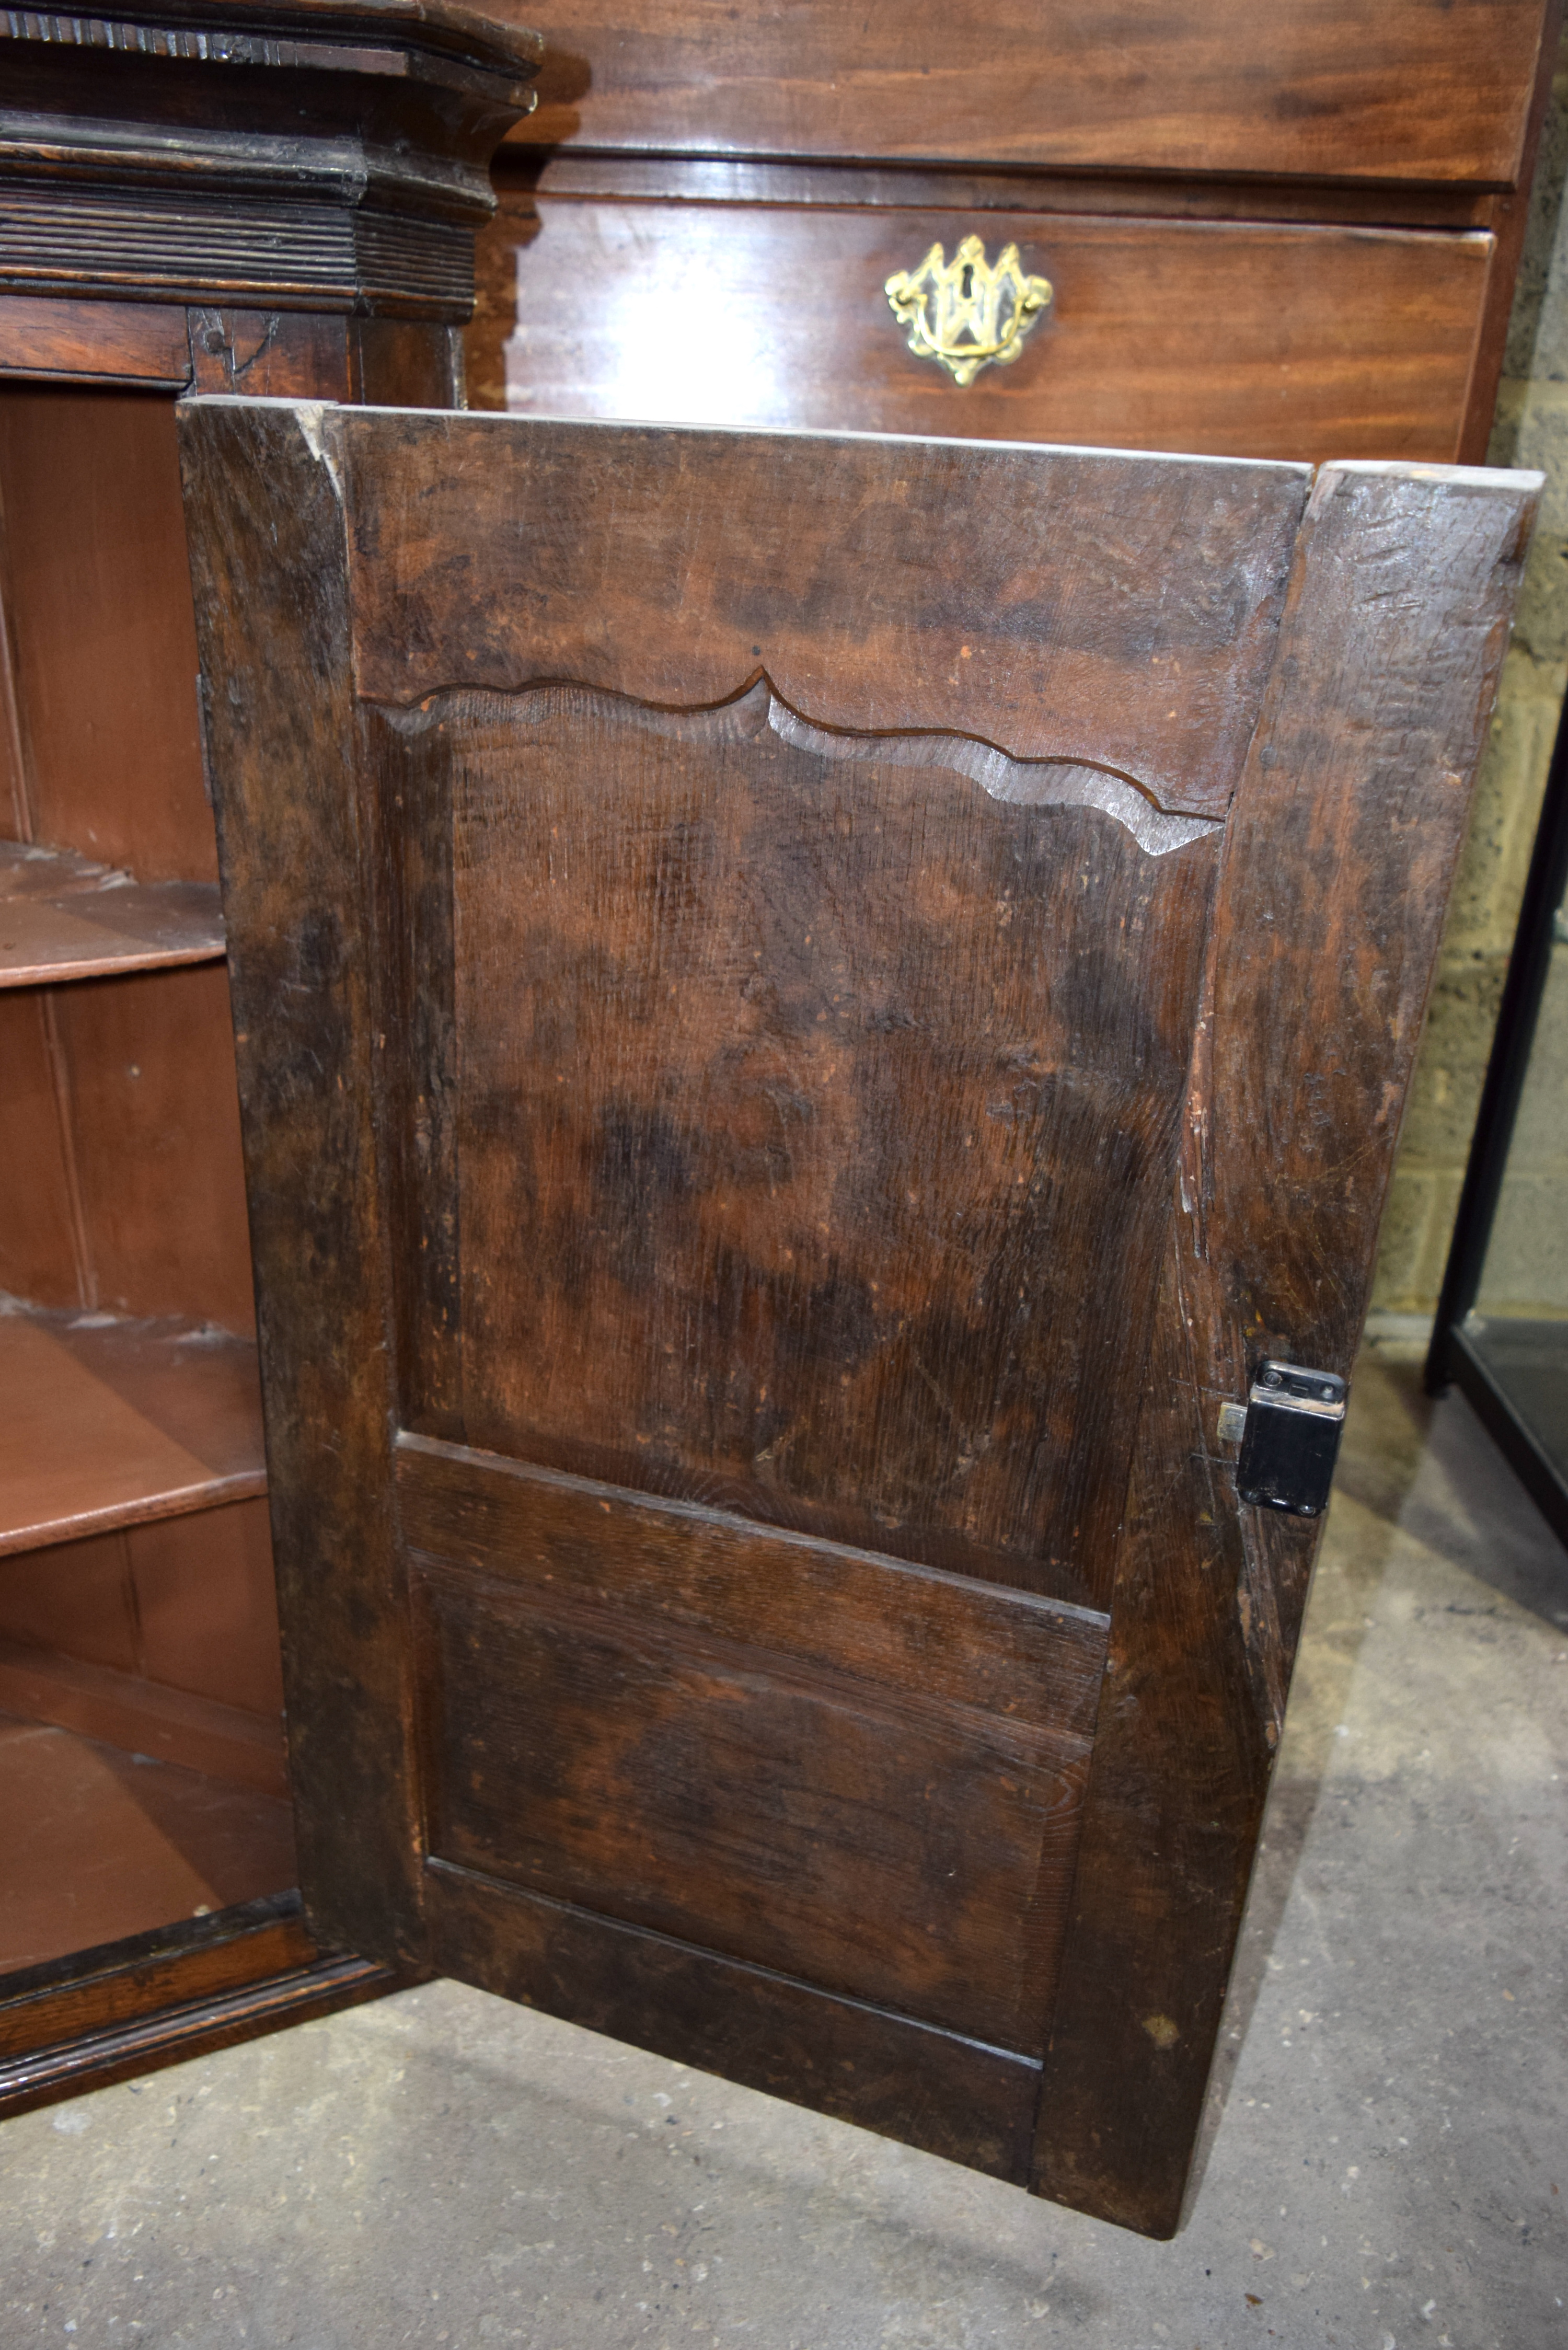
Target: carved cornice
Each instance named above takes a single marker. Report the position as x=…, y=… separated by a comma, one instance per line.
x=318, y=154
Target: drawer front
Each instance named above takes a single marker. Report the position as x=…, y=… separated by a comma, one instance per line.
x=1409, y=89
x=1259, y=341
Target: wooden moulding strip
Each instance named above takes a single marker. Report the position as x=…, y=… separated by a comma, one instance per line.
x=115, y=1982
x=110, y=1423
x=160, y=1998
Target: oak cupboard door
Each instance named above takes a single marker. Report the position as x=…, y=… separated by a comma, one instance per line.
x=809, y=1009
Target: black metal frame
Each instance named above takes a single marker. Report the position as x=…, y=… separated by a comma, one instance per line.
x=1454, y=1357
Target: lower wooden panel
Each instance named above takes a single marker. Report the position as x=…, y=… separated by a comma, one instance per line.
x=163, y=1997
x=839, y=1767
x=951, y=2095
x=1243, y=339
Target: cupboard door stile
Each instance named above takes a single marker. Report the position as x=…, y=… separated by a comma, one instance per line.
x=307, y=1070
x=1339, y=857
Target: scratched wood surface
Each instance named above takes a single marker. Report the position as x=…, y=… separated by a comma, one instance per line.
x=860, y=1774
x=678, y=867
x=1002, y=593
x=812, y=1119
x=1339, y=861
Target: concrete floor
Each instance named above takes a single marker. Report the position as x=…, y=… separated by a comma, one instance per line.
x=1390, y=2167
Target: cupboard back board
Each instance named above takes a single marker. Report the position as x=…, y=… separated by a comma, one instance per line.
x=809, y=1008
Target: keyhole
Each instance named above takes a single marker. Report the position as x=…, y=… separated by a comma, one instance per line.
x=966, y=283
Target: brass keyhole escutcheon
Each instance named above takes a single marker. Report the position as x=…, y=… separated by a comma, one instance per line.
x=968, y=313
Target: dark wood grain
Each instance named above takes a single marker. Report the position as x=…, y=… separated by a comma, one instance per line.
x=864, y=1244
x=1415, y=91
x=270, y=354
x=308, y=163
x=1338, y=862
x=855, y=1773
x=1336, y=341
x=276, y=636
x=949, y=2093
x=876, y=609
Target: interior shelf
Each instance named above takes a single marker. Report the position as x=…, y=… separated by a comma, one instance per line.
x=62, y=917
x=108, y=1422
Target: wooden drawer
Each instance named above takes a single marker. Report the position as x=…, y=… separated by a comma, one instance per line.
x=1408, y=91
x=1261, y=340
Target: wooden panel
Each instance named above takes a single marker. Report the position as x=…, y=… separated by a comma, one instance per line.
x=98, y=596
x=63, y=917
x=754, y=589
x=846, y=1770
x=40, y=1240
x=206, y=1607
x=814, y=1120
x=133, y=342
x=155, y=1129
x=934, y=2089
x=944, y=587
x=159, y=1998
x=1336, y=341
x=103, y=1424
x=76, y=1599
x=407, y=363
x=1343, y=848
x=1415, y=89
